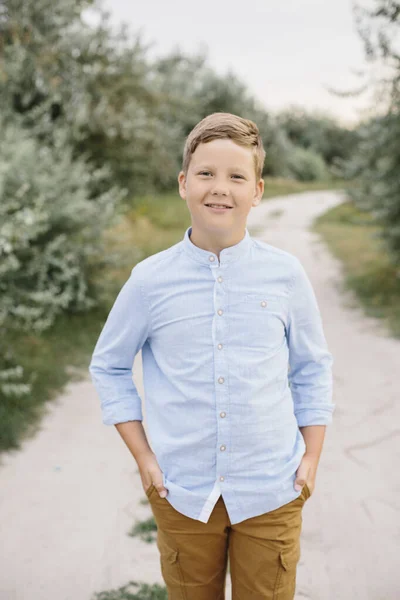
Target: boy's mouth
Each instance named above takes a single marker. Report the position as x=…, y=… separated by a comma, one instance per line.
x=219, y=207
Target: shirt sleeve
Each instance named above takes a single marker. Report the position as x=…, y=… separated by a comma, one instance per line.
x=310, y=362
x=111, y=368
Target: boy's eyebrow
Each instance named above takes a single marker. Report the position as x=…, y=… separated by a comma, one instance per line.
x=201, y=166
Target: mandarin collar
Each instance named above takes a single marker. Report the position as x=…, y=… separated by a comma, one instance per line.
x=226, y=255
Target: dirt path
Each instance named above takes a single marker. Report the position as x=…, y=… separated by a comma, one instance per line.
x=70, y=496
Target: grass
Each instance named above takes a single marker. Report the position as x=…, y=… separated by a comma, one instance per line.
x=56, y=357
x=352, y=237
x=134, y=591
x=146, y=530
x=62, y=353
x=274, y=186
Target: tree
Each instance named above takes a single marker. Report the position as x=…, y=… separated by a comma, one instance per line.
x=376, y=163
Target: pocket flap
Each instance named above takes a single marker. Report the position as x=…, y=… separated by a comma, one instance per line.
x=171, y=555
x=289, y=557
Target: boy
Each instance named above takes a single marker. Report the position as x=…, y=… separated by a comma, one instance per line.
x=237, y=378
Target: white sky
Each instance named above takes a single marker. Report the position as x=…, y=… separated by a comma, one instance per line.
x=286, y=51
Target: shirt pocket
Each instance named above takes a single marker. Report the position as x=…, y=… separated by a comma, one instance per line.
x=257, y=320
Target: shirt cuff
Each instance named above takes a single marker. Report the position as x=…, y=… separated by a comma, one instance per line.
x=314, y=416
x=122, y=411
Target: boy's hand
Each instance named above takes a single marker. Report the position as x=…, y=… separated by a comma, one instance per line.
x=150, y=472
x=306, y=473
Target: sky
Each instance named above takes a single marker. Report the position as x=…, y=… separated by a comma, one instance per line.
x=288, y=52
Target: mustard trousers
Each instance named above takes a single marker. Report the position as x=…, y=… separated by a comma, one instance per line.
x=263, y=551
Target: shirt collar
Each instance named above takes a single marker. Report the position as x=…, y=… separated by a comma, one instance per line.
x=226, y=255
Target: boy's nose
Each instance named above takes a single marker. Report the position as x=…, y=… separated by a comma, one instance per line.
x=220, y=190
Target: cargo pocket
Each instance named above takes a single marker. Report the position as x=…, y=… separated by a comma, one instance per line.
x=285, y=584
x=171, y=568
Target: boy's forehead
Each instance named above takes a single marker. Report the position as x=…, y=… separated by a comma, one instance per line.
x=223, y=151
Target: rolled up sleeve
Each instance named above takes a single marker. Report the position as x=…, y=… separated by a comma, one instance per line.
x=310, y=362
x=111, y=368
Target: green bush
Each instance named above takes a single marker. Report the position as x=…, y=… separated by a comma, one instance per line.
x=50, y=240
x=306, y=165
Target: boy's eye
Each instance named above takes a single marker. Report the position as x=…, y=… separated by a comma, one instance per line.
x=208, y=173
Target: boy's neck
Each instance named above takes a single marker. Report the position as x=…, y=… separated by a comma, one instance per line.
x=215, y=243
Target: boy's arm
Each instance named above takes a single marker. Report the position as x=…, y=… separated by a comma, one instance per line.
x=310, y=362
x=310, y=374
x=306, y=473
x=123, y=335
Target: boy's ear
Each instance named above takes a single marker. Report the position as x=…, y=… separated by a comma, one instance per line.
x=182, y=185
x=258, y=193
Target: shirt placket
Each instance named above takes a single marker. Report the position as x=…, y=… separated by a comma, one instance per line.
x=219, y=336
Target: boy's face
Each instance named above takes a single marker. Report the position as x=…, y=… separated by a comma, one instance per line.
x=220, y=172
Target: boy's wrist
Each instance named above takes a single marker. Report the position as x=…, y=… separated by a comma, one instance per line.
x=144, y=455
x=313, y=438
x=312, y=459
x=312, y=455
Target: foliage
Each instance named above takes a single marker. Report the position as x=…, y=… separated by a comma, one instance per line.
x=306, y=165
x=378, y=27
x=134, y=591
x=376, y=166
x=146, y=530
x=57, y=71
x=319, y=133
x=376, y=163
x=49, y=238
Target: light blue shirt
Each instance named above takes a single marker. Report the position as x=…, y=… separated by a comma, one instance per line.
x=234, y=361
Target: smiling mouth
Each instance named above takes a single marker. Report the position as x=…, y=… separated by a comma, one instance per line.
x=219, y=206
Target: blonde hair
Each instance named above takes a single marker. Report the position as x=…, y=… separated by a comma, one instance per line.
x=226, y=125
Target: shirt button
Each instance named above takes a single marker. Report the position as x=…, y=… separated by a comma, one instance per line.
x=222, y=414
x=263, y=303
x=220, y=312
x=223, y=448
x=211, y=258
x=220, y=278
x=221, y=380
x=219, y=346
x=222, y=478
